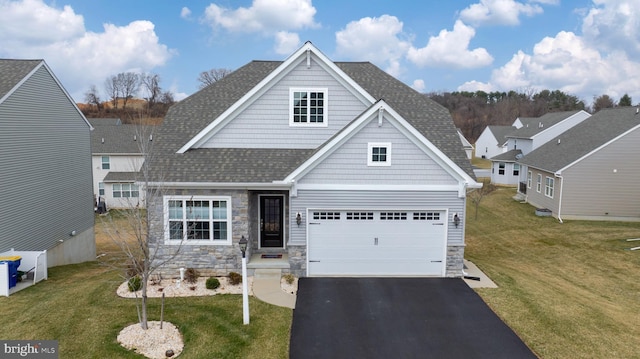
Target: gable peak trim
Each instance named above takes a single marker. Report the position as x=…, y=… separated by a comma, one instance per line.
x=305, y=51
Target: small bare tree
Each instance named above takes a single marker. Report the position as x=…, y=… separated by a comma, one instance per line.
x=129, y=83
x=210, y=77
x=112, y=88
x=151, y=85
x=476, y=195
x=92, y=97
x=135, y=241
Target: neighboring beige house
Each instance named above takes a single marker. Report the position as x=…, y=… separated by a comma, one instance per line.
x=531, y=133
x=590, y=171
x=117, y=158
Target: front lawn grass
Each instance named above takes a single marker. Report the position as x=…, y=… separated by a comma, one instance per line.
x=78, y=306
x=568, y=290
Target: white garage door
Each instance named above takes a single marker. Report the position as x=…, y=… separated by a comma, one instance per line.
x=376, y=243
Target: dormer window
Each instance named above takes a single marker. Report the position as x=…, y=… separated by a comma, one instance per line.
x=379, y=154
x=308, y=107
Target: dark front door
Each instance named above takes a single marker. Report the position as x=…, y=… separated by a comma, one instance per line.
x=271, y=216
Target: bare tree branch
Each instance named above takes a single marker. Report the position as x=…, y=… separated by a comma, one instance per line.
x=207, y=78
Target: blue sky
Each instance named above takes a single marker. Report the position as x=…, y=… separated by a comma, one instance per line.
x=583, y=47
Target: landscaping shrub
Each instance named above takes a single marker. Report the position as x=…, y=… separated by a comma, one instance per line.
x=288, y=278
x=235, y=278
x=212, y=283
x=191, y=275
x=135, y=283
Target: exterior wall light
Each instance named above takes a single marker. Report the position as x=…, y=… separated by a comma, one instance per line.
x=456, y=220
x=298, y=219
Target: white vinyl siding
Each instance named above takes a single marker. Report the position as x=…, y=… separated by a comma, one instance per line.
x=348, y=164
x=265, y=122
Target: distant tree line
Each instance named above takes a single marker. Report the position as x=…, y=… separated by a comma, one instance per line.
x=473, y=111
x=120, y=89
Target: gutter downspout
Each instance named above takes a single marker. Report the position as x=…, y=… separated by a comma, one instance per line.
x=560, y=199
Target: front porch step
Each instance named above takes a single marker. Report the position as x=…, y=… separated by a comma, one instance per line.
x=257, y=262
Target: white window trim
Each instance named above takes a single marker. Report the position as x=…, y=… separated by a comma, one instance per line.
x=370, y=147
x=539, y=183
x=549, y=185
x=226, y=242
x=101, y=189
x=325, y=115
x=513, y=169
x=107, y=163
x=529, y=179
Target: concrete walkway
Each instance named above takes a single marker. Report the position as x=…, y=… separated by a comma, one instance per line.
x=266, y=287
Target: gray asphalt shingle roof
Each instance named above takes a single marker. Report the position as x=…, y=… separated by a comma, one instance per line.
x=115, y=139
x=509, y=156
x=531, y=126
x=191, y=115
x=501, y=132
x=583, y=138
x=13, y=71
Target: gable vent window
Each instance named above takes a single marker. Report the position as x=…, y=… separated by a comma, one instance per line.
x=393, y=216
x=326, y=215
x=379, y=154
x=308, y=107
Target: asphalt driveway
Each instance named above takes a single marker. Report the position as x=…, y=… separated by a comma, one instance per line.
x=397, y=318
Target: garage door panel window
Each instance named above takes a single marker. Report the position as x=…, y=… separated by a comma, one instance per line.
x=426, y=216
x=393, y=216
x=326, y=215
x=360, y=216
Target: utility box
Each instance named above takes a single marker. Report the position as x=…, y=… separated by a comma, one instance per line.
x=13, y=262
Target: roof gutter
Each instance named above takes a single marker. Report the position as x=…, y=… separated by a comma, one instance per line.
x=229, y=185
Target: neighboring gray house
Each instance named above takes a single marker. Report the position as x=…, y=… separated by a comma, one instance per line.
x=338, y=167
x=117, y=158
x=590, y=171
x=492, y=141
x=45, y=160
x=531, y=133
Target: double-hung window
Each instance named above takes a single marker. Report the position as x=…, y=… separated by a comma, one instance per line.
x=501, y=166
x=308, y=107
x=516, y=169
x=539, y=183
x=101, y=188
x=548, y=186
x=379, y=154
x=529, y=179
x=105, y=163
x=198, y=220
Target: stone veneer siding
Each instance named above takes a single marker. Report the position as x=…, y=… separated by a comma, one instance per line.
x=209, y=260
x=297, y=260
x=455, y=264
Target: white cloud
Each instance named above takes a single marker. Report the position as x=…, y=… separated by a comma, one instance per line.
x=264, y=16
x=286, y=42
x=451, y=49
x=473, y=86
x=79, y=58
x=418, y=85
x=378, y=40
x=613, y=25
x=185, y=13
x=567, y=62
x=499, y=12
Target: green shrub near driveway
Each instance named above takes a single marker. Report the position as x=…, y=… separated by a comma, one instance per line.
x=212, y=283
